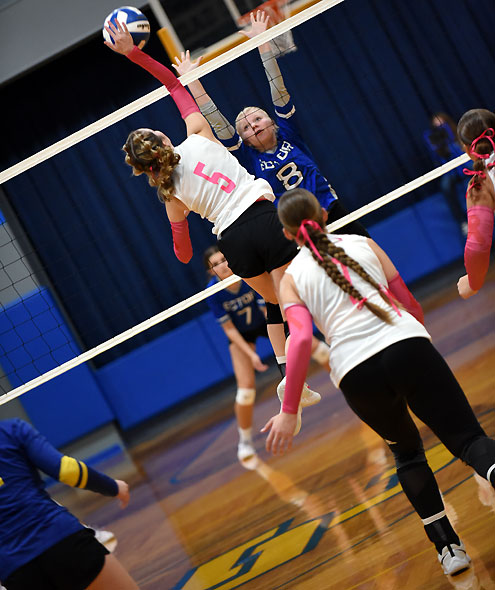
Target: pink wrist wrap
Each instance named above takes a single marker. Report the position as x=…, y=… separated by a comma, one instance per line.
x=400, y=291
x=182, y=242
x=478, y=244
x=298, y=355
x=184, y=101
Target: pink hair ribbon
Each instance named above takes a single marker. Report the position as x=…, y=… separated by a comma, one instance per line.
x=302, y=234
x=487, y=134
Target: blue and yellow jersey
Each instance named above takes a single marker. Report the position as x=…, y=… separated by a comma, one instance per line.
x=30, y=521
x=242, y=308
x=290, y=166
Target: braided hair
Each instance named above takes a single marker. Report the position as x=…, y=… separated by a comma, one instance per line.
x=471, y=126
x=146, y=154
x=299, y=205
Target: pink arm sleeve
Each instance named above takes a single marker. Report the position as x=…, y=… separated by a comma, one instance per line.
x=478, y=244
x=182, y=242
x=184, y=101
x=298, y=355
x=400, y=291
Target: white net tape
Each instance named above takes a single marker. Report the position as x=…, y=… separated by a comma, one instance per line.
x=148, y=99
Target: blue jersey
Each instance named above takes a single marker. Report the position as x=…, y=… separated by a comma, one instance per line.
x=443, y=147
x=242, y=308
x=30, y=521
x=291, y=165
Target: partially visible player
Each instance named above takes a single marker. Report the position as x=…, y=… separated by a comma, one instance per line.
x=382, y=361
x=42, y=545
x=476, y=131
x=272, y=149
x=241, y=313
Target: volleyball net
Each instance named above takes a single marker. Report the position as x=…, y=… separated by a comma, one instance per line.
x=37, y=340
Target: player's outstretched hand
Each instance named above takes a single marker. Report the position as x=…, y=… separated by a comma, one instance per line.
x=122, y=40
x=259, y=24
x=123, y=494
x=258, y=364
x=183, y=65
x=281, y=432
x=464, y=289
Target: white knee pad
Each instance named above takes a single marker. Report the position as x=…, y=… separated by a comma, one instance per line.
x=245, y=396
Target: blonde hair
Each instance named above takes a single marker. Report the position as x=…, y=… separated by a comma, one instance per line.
x=146, y=154
x=299, y=204
x=247, y=111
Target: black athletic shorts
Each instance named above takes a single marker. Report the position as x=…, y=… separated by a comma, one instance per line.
x=336, y=211
x=255, y=242
x=255, y=333
x=71, y=564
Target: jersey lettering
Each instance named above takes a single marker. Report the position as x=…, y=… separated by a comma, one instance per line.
x=267, y=165
x=290, y=176
x=284, y=150
x=215, y=178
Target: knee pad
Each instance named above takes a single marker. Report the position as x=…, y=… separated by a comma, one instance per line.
x=245, y=396
x=286, y=329
x=321, y=353
x=407, y=459
x=273, y=314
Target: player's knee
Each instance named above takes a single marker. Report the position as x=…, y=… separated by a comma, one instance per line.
x=273, y=314
x=406, y=458
x=245, y=396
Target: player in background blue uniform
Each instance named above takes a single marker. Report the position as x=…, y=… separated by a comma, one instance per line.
x=272, y=149
x=240, y=312
x=42, y=545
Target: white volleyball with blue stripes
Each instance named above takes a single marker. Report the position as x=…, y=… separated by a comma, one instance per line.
x=137, y=24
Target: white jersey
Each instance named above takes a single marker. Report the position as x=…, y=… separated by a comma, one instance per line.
x=354, y=334
x=210, y=181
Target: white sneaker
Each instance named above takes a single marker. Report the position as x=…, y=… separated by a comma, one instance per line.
x=454, y=559
x=245, y=450
x=308, y=397
x=106, y=538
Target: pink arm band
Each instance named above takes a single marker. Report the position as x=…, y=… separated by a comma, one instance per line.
x=400, y=291
x=182, y=242
x=478, y=244
x=184, y=101
x=298, y=355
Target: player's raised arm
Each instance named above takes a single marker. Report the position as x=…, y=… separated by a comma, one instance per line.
x=123, y=44
x=278, y=91
x=221, y=126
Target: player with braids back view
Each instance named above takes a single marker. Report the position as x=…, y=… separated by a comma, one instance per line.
x=476, y=131
x=382, y=360
x=200, y=175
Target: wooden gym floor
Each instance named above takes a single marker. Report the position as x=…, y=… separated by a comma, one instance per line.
x=329, y=515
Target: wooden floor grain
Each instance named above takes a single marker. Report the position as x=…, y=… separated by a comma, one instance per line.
x=329, y=515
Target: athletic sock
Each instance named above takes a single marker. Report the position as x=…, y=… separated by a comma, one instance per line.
x=440, y=531
x=281, y=362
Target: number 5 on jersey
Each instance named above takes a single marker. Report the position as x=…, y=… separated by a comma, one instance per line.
x=215, y=178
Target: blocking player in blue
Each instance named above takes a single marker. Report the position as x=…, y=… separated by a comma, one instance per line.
x=240, y=311
x=42, y=545
x=272, y=149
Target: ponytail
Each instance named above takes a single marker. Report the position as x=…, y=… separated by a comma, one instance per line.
x=146, y=154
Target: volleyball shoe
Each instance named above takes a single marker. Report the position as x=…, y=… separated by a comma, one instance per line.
x=454, y=559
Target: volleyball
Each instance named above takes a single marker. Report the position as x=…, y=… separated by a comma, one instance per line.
x=137, y=24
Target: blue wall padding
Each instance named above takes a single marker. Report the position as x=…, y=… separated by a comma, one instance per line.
x=161, y=373
x=33, y=340
x=421, y=238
